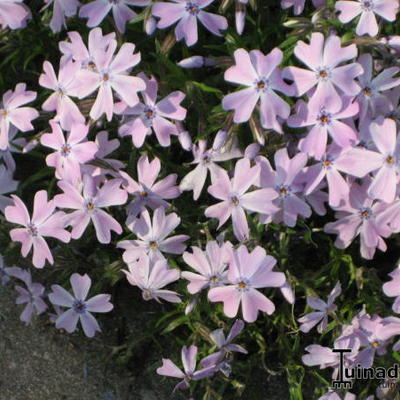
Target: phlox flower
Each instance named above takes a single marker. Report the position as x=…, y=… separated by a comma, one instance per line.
x=67, y=111
x=367, y=24
x=206, y=162
x=75, y=49
x=151, y=115
x=70, y=152
x=13, y=14
x=323, y=309
x=187, y=13
x=262, y=77
x=235, y=200
x=210, y=265
x=324, y=57
x=97, y=10
x=12, y=114
x=146, y=191
x=153, y=237
x=373, y=339
x=328, y=168
x=150, y=276
x=284, y=181
x=360, y=216
x=7, y=185
x=189, y=355
x=80, y=308
x=324, y=357
x=110, y=73
x=385, y=162
x=61, y=9
x=31, y=295
x=392, y=289
x=89, y=201
x=43, y=223
x=298, y=5
x=221, y=358
x=247, y=273
x=371, y=99
x=331, y=395
x=324, y=120
x=104, y=165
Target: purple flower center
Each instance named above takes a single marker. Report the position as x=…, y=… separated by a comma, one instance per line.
x=149, y=112
x=192, y=8
x=206, y=158
x=143, y=194
x=32, y=230
x=91, y=65
x=367, y=5
x=214, y=280
x=106, y=77
x=366, y=213
x=375, y=344
x=153, y=245
x=234, y=200
x=3, y=113
x=61, y=91
x=79, y=306
x=65, y=150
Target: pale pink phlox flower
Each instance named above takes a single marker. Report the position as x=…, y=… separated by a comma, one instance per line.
x=67, y=111
x=70, y=152
x=45, y=222
x=235, y=200
x=152, y=115
x=12, y=114
x=211, y=266
x=61, y=9
x=151, y=276
x=147, y=191
x=14, y=14
x=248, y=272
x=153, y=236
x=89, y=201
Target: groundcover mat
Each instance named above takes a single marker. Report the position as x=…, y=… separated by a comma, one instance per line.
x=199, y=199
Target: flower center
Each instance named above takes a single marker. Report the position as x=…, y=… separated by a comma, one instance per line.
x=261, y=84
x=147, y=294
x=367, y=92
x=367, y=5
x=65, y=150
x=366, y=213
x=91, y=65
x=326, y=163
x=243, y=285
x=90, y=205
x=390, y=160
x=3, y=113
x=323, y=73
x=144, y=194
x=324, y=118
x=192, y=8
x=33, y=231
x=153, y=245
x=284, y=191
x=79, y=306
x=235, y=200
x=149, y=112
x=375, y=344
x=106, y=77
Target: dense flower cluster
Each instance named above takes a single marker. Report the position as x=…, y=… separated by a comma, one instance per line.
x=340, y=103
